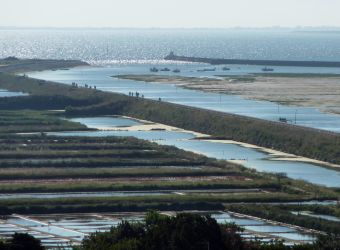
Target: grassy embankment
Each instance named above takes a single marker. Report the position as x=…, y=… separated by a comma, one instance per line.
x=26, y=121
x=283, y=213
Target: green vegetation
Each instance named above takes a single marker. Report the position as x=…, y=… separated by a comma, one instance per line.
x=107, y=173
x=184, y=231
x=29, y=121
x=21, y=241
x=104, y=205
x=170, y=201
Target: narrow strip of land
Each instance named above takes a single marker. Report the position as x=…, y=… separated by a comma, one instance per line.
x=216, y=61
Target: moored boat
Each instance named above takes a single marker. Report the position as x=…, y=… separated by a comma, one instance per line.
x=153, y=69
x=165, y=69
x=266, y=69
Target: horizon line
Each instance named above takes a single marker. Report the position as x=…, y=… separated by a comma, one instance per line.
x=177, y=28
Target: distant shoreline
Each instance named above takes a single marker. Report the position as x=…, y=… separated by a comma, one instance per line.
x=218, y=61
x=16, y=65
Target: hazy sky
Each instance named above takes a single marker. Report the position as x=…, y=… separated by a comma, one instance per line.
x=169, y=13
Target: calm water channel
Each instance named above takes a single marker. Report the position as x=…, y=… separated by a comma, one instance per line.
x=101, y=78
x=251, y=158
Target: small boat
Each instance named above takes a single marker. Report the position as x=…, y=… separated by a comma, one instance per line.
x=153, y=69
x=225, y=68
x=266, y=69
x=176, y=71
x=165, y=69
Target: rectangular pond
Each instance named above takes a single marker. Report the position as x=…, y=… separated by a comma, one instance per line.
x=68, y=229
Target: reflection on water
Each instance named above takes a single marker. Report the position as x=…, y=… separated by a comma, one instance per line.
x=269, y=229
x=145, y=135
x=79, y=194
x=240, y=222
x=105, y=122
x=45, y=227
x=102, y=46
x=320, y=216
x=295, y=236
x=5, y=93
x=261, y=162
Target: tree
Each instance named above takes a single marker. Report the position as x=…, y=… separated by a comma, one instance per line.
x=159, y=232
x=185, y=232
x=25, y=241
x=125, y=236
x=327, y=242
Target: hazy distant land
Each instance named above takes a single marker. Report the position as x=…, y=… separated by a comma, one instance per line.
x=13, y=64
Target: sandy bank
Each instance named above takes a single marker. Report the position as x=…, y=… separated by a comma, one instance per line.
x=151, y=126
x=316, y=91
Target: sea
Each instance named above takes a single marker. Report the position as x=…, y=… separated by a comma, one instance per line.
x=145, y=46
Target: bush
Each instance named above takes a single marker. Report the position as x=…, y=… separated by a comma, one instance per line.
x=22, y=241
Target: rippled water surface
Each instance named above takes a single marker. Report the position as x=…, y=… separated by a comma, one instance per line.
x=128, y=45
